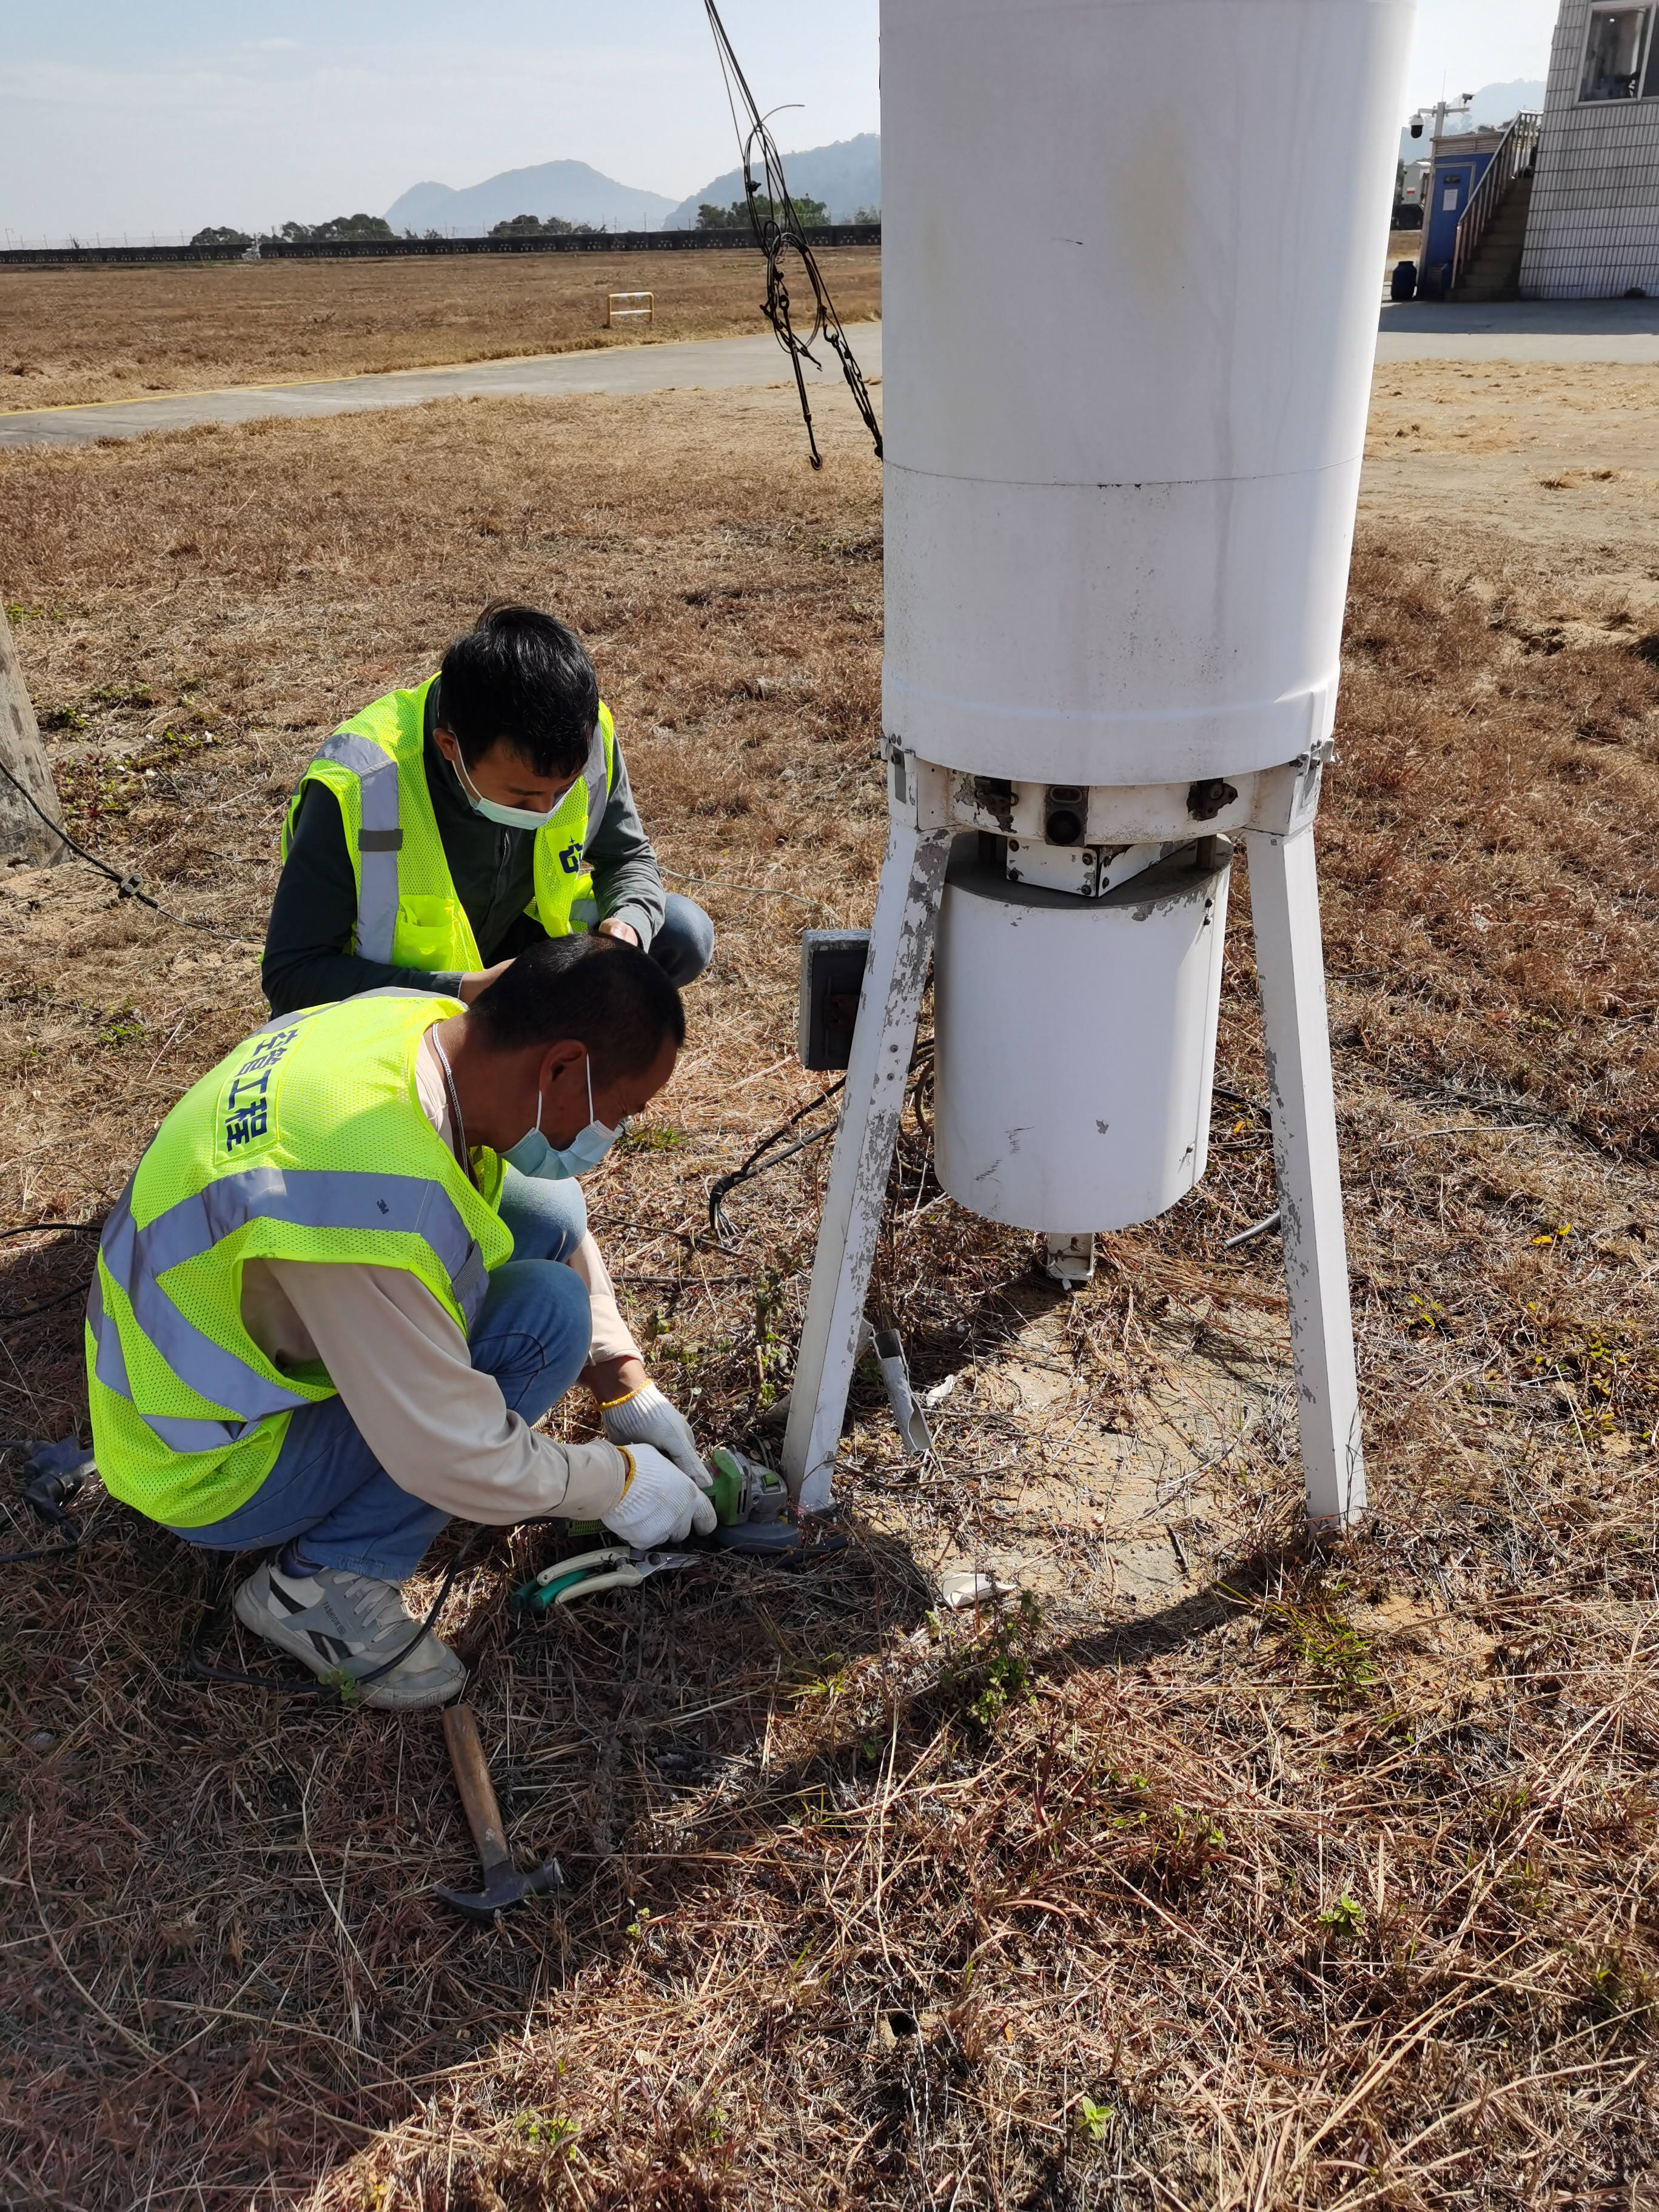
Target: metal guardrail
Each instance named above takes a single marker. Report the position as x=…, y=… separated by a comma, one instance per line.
x=402, y=249
x=1514, y=155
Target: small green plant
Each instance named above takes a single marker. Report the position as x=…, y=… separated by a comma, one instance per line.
x=1006, y=1680
x=1005, y=1664
x=1196, y=1830
x=831, y=1680
x=545, y=2128
x=1093, y=2119
x=61, y=718
x=1424, y=1314
x=121, y=1026
x=653, y=1137
x=1327, y=1646
x=639, y=1925
x=1617, y=1987
x=1345, y=1918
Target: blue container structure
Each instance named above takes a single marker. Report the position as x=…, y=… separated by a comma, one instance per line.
x=1456, y=176
x=1460, y=159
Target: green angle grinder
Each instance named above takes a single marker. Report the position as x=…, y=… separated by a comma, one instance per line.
x=751, y=1505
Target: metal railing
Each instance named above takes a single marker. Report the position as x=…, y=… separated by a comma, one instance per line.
x=1513, y=156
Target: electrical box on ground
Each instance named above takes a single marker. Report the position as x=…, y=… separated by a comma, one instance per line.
x=831, y=980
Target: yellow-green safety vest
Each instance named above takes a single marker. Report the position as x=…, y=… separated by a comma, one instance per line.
x=307, y=1142
x=408, y=913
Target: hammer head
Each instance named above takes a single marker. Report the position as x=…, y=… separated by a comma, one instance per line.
x=504, y=1886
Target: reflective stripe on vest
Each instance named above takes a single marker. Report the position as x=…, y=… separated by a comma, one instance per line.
x=304, y=1198
x=379, y=841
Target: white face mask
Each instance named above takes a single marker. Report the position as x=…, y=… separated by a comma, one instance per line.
x=508, y=818
x=533, y=1156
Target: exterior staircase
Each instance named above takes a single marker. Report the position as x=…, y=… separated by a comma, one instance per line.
x=1494, y=268
x=1493, y=232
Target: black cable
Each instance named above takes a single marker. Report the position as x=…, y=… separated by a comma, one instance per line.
x=206, y=1672
x=62, y=1297
x=719, y=1220
x=720, y=1190
x=25, y=1313
x=780, y=231
x=127, y=885
x=922, y=1062
x=50, y=1490
x=49, y=1511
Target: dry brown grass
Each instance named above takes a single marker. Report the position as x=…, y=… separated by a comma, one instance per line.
x=74, y=335
x=1329, y=1885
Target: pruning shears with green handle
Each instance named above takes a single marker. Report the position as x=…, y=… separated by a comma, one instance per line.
x=616, y=1566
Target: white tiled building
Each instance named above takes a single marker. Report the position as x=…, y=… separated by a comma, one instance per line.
x=1592, y=227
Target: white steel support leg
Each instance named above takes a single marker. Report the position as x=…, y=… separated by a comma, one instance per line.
x=1291, y=971
x=901, y=946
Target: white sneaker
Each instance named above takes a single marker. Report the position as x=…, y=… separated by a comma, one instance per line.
x=347, y=1626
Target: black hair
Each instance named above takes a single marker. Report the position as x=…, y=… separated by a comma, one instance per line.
x=521, y=676
x=605, y=994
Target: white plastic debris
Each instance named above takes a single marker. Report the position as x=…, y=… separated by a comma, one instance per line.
x=962, y=1587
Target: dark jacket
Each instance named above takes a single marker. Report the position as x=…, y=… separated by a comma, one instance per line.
x=314, y=913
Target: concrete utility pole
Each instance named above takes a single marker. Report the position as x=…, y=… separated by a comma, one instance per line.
x=23, y=834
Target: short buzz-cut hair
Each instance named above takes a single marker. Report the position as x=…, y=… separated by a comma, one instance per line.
x=521, y=677
x=605, y=994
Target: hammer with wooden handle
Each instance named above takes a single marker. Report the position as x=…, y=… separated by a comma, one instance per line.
x=503, y=1885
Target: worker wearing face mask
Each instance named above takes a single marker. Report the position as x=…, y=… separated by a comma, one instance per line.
x=312, y=1331
x=443, y=830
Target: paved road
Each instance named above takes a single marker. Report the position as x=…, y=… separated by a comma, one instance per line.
x=1620, y=331
x=707, y=364
x=1562, y=331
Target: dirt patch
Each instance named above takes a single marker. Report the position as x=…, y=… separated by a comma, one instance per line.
x=77, y=334
x=1304, y=1879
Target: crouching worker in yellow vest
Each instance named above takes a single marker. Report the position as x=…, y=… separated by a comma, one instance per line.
x=309, y=1333
x=441, y=831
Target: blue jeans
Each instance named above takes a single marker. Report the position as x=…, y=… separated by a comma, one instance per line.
x=685, y=946
x=329, y=1495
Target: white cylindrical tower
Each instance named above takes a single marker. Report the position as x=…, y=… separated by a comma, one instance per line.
x=1131, y=262
x=1132, y=254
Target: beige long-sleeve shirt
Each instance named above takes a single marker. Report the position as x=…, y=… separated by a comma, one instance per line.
x=440, y=1429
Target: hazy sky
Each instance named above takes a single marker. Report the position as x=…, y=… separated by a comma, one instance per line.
x=179, y=112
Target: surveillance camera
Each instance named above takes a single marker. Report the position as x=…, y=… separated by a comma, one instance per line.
x=1417, y=126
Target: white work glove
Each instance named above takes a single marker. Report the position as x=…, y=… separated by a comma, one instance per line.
x=648, y=1417
x=659, y=1504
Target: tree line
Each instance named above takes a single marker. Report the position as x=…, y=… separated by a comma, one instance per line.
x=813, y=215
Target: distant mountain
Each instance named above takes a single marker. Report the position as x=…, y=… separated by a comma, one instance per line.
x=845, y=177
x=568, y=189
x=1493, y=103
